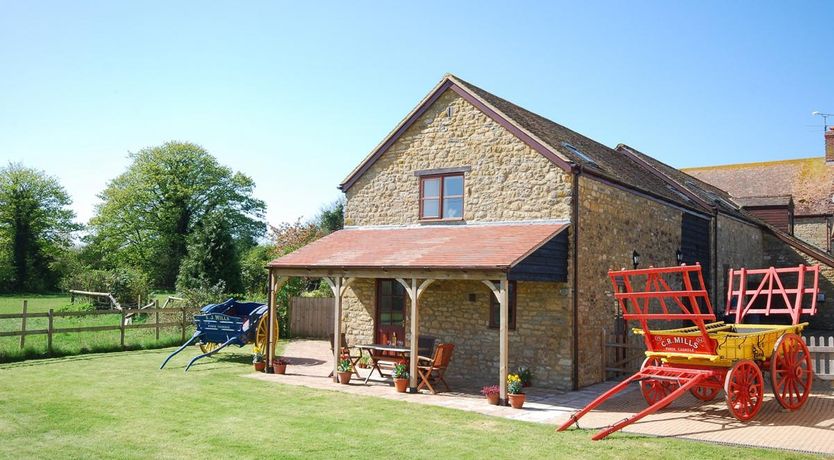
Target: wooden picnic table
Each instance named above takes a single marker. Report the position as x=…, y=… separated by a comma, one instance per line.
x=375, y=351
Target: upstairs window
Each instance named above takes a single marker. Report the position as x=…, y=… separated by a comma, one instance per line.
x=441, y=197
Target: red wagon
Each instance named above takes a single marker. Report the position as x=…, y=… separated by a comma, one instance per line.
x=709, y=356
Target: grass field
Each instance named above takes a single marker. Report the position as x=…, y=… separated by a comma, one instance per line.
x=119, y=405
x=77, y=342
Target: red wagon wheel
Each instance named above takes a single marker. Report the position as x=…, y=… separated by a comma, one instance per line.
x=744, y=387
x=791, y=373
x=654, y=390
x=705, y=393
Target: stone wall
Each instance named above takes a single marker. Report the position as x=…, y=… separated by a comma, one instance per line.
x=779, y=254
x=813, y=230
x=612, y=224
x=358, y=311
x=508, y=180
x=739, y=245
x=541, y=340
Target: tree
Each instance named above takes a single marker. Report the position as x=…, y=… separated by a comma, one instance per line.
x=332, y=217
x=148, y=213
x=36, y=227
x=212, y=258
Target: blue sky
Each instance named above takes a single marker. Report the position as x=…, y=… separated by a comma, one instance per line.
x=296, y=94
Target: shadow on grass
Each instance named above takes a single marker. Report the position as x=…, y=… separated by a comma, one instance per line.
x=33, y=355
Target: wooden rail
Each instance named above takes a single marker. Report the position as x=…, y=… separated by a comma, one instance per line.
x=182, y=322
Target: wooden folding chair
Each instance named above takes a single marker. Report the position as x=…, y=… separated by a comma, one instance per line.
x=435, y=368
x=345, y=351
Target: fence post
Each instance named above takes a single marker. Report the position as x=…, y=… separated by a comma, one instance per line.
x=156, y=307
x=23, y=324
x=122, y=330
x=49, y=331
x=182, y=325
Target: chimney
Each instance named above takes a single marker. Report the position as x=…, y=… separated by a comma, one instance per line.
x=829, y=145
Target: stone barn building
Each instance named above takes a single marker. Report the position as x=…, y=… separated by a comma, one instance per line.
x=501, y=225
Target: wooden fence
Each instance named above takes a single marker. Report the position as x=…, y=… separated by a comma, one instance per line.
x=822, y=355
x=624, y=355
x=184, y=316
x=311, y=317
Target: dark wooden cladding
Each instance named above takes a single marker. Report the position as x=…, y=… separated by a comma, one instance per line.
x=547, y=263
x=778, y=216
x=695, y=243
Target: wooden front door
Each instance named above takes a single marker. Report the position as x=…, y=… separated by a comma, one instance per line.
x=390, y=312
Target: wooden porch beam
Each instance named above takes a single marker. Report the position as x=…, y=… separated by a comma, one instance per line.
x=445, y=274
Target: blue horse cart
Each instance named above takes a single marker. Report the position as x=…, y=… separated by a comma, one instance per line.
x=223, y=324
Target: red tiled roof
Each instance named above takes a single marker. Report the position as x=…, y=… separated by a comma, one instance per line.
x=809, y=180
x=439, y=247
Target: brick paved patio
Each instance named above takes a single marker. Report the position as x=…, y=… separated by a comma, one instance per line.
x=809, y=429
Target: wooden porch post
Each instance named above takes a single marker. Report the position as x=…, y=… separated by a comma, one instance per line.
x=414, y=291
x=275, y=283
x=338, y=285
x=504, y=338
x=501, y=293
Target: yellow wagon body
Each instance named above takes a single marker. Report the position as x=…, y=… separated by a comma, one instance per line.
x=733, y=342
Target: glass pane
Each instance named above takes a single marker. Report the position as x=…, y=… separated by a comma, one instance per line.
x=397, y=289
x=453, y=185
x=397, y=304
x=385, y=287
x=385, y=303
x=431, y=208
x=452, y=207
x=396, y=318
x=431, y=188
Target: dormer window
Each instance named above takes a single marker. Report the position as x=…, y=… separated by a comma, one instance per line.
x=441, y=197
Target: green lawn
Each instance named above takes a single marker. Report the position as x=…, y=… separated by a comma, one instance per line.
x=76, y=342
x=119, y=405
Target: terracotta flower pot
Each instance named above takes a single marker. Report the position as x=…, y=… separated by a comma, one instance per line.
x=280, y=368
x=517, y=401
x=492, y=398
x=344, y=377
x=401, y=384
x=260, y=366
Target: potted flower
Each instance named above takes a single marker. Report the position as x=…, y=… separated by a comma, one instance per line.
x=514, y=391
x=401, y=376
x=258, y=360
x=364, y=362
x=526, y=376
x=344, y=370
x=280, y=365
x=492, y=392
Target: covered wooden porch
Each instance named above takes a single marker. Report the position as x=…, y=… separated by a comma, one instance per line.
x=418, y=257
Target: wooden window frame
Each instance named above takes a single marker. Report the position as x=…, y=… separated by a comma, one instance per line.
x=442, y=196
x=495, y=313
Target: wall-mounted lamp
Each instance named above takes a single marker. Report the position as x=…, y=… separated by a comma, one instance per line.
x=635, y=259
x=679, y=256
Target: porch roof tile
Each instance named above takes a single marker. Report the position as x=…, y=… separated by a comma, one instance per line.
x=485, y=247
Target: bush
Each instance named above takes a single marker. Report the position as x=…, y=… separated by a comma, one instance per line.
x=204, y=293
x=127, y=285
